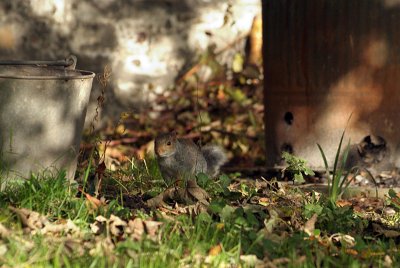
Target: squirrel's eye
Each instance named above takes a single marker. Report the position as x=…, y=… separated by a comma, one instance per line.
x=169, y=143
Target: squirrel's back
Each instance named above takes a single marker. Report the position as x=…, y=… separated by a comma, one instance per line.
x=215, y=157
x=191, y=156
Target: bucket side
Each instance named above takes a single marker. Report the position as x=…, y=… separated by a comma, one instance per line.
x=41, y=123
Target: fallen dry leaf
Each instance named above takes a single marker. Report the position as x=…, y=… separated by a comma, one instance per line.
x=30, y=219
x=351, y=251
x=23, y=243
x=215, y=250
x=101, y=247
x=63, y=227
x=388, y=262
x=99, y=225
x=190, y=194
x=101, y=218
x=281, y=261
x=343, y=203
x=73, y=248
x=4, y=232
x=94, y=202
x=251, y=260
x=386, y=232
x=192, y=210
x=309, y=226
x=152, y=227
x=346, y=240
x=264, y=201
x=35, y=222
x=116, y=226
x=3, y=250
x=136, y=228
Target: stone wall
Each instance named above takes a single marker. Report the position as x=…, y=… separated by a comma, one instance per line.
x=146, y=43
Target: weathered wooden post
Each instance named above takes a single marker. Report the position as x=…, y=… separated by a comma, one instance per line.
x=324, y=61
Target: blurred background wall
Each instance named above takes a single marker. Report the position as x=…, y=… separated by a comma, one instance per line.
x=147, y=44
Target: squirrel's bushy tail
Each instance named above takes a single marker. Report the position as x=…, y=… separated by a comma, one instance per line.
x=215, y=158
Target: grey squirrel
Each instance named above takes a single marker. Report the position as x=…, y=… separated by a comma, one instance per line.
x=183, y=159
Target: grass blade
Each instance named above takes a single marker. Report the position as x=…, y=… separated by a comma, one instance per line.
x=345, y=155
x=343, y=189
x=335, y=174
x=358, y=171
x=373, y=179
x=335, y=164
x=353, y=170
x=326, y=168
x=323, y=156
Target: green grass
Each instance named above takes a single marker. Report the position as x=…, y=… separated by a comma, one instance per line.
x=235, y=230
x=341, y=178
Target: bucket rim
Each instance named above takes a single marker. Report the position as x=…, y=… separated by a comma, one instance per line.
x=81, y=74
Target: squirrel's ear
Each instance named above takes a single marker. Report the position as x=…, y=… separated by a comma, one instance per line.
x=173, y=134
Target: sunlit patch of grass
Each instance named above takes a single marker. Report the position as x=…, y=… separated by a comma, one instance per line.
x=143, y=175
x=54, y=196
x=136, y=177
x=228, y=234
x=392, y=221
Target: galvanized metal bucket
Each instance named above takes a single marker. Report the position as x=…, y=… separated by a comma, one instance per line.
x=42, y=112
